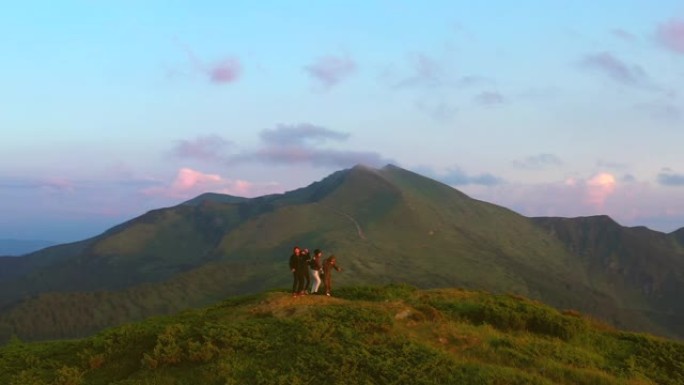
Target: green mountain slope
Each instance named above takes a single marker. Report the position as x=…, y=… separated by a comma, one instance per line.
x=369, y=335
x=386, y=225
x=640, y=268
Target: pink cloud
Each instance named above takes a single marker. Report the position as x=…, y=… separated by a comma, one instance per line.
x=188, y=179
x=599, y=188
x=190, y=183
x=624, y=198
x=226, y=71
x=330, y=70
x=671, y=35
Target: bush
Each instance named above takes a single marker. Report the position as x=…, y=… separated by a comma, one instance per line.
x=505, y=313
x=69, y=376
x=167, y=351
x=377, y=293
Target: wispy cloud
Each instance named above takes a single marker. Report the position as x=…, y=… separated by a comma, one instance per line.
x=541, y=94
x=669, y=178
x=189, y=183
x=285, y=134
x=440, y=109
x=614, y=68
x=304, y=144
x=663, y=110
x=607, y=164
x=54, y=184
x=623, y=35
x=286, y=144
x=538, y=161
x=225, y=71
x=207, y=148
x=671, y=35
x=489, y=98
x=328, y=71
x=456, y=176
x=425, y=72
x=459, y=178
x=290, y=155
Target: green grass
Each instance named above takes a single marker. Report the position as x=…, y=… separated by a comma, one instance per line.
x=393, y=334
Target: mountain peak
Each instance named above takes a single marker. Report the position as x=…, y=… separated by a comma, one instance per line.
x=390, y=166
x=213, y=197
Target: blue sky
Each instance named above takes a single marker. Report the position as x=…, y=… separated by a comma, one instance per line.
x=110, y=109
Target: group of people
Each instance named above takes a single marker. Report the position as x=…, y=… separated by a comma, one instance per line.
x=304, y=266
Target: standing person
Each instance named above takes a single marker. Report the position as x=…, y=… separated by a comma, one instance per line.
x=315, y=266
x=298, y=281
x=306, y=256
x=328, y=265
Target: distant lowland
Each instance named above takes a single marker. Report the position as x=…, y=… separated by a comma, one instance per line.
x=385, y=225
x=17, y=247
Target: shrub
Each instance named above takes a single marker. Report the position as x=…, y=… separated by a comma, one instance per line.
x=167, y=350
x=69, y=376
x=377, y=293
x=201, y=351
x=27, y=377
x=506, y=314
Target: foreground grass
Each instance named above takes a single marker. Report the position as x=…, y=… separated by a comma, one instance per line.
x=365, y=335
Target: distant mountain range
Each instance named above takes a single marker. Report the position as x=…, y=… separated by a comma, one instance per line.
x=386, y=225
x=16, y=247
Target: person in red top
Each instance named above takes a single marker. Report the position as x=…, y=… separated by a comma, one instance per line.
x=328, y=265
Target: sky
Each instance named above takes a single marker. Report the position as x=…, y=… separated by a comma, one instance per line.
x=109, y=109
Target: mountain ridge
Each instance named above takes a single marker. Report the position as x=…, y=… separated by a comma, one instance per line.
x=387, y=225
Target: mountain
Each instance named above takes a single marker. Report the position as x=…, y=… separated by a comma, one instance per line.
x=16, y=247
x=392, y=334
x=679, y=236
x=385, y=225
x=641, y=268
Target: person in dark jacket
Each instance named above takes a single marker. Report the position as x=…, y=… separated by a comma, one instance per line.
x=298, y=277
x=307, y=277
x=316, y=267
x=303, y=271
x=328, y=265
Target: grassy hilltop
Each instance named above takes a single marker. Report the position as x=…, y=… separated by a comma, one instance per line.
x=365, y=335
